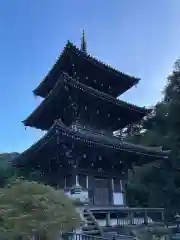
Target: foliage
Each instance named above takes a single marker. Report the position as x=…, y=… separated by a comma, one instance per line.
x=160, y=129
x=30, y=208
x=153, y=129
x=6, y=169
x=153, y=233
x=7, y=158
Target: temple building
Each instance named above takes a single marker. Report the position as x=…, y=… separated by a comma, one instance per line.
x=79, y=112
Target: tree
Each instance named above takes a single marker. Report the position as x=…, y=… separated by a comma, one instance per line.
x=29, y=208
x=153, y=130
x=162, y=129
x=6, y=169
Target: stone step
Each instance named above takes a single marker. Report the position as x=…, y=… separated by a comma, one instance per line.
x=90, y=222
x=88, y=218
x=89, y=227
x=92, y=232
x=85, y=214
x=113, y=235
x=176, y=236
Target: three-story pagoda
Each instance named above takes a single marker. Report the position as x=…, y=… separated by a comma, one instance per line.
x=80, y=112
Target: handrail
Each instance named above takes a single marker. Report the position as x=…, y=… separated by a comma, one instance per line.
x=95, y=221
x=81, y=236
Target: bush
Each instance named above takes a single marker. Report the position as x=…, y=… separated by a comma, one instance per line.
x=154, y=233
x=29, y=208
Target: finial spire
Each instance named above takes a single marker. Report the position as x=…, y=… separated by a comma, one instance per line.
x=83, y=43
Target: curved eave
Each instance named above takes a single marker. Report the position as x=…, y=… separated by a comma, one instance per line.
x=42, y=142
x=103, y=95
x=106, y=67
x=130, y=81
x=32, y=118
x=110, y=142
x=29, y=121
x=38, y=90
x=92, y=141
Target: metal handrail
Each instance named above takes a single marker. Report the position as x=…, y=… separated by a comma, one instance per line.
x=94, y=220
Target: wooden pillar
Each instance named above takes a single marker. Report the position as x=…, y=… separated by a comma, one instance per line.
x=87, y=182
x=75, y=169
x=65, y=182
x=74, y=176
x=145, y=218
x=108, y=219
x=112, y=183
x=91, y=188
x=76, y=179
x=122, y=184
x=117, y=218
x=131, y=216
x=110, y=191
x=162, y=216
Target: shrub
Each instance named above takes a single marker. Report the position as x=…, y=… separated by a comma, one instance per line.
x=29, y=208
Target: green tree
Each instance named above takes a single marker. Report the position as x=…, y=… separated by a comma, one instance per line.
x=153, y=130
x=29, y=208
x=161, y=128
x=6, y=169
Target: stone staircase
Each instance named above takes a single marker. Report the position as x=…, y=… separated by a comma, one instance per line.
x=115, y=236
x=91, y=226
x=176, y=236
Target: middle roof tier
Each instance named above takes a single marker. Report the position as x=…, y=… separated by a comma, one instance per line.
x=70, y=100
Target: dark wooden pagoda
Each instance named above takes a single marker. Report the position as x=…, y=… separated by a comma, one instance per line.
x=80, y=112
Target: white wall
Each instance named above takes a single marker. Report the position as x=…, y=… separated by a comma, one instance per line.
x=118, y=199
x=80, y=196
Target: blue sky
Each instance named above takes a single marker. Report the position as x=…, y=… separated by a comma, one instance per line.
x=139, y=37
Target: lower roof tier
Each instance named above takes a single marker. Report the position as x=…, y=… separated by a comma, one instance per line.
x=71, y=99
x=90, y=71
x=67, y=147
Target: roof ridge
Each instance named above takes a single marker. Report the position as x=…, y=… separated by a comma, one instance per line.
x=72, y=132
x=64, y=77
x=107, y=66
x=111, y=98
x=78, y=51
x=59, y=126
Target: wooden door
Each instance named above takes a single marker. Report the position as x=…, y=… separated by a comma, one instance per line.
x=101, y=192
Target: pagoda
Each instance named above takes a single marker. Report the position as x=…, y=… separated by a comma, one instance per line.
x=80, y=111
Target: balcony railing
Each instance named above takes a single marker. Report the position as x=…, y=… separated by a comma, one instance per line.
x=107, y=236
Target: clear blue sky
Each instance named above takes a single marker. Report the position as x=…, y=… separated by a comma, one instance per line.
x=139, y=37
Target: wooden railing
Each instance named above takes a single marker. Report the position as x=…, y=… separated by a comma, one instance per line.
x=80, y=236
x=128, y=216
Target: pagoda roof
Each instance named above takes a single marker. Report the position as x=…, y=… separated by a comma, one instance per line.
x=95, y=73
x=88, y=139
x=57, y=101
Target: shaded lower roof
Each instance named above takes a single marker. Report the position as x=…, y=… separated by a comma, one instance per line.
x=92, y=140
x=73, y=60
x=120, y=112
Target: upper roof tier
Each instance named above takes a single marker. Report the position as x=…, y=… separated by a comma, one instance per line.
x=71, y=99
x=121, y=155
x=88, y=70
